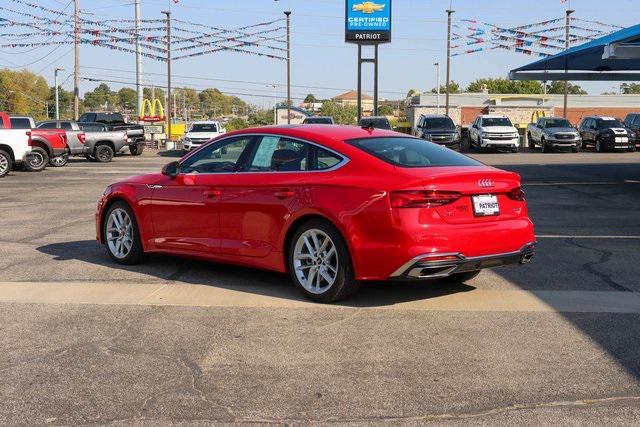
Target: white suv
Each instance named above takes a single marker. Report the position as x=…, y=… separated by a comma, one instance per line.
x=201, y=132
x=492, y=131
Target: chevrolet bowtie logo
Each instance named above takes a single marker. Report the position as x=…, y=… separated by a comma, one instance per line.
x=368, y=7
x=485, y=183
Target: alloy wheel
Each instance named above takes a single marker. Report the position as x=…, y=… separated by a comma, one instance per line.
x=36, y=159
x=119, y=233
x=315, y=260
x=60, y=161
x=4, y=165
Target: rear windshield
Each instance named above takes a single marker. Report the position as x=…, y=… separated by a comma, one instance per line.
x=318, y=121
x=375, y=123
x=557, y=123
x=439, y=123
x=20, y=123
x=204, y=127
x=496, y=121
x=412, y=152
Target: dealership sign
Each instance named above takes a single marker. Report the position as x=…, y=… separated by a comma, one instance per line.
x=368, y=22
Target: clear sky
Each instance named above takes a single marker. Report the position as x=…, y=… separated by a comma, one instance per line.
x=322, y=63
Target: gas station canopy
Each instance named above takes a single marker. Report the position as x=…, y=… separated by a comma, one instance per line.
x=614, y=57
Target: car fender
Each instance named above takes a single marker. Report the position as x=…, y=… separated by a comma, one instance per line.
x=138, y=197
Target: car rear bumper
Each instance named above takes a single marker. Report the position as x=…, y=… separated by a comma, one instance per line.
x=432, y=265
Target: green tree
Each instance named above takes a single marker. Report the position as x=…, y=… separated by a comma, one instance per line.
x=504, y=86
x=213, y=102
x=65, y=102
x=310, y=98
x=557, y=87
x=260, y=118
x=23, y=92
x=236, y=123
x=386, y=110
x=412, y=92
x=101, y=98
x=127, y=99
x=147, y=93
x=453, y=88
x=630, y=88
x=342, y=114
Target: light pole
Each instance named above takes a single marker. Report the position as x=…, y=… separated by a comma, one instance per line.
x=168, y=104
x=437, y=65
x=449, y=13
x=55, y=82
x=288, y=15
x=275, y=104
x=567, y=44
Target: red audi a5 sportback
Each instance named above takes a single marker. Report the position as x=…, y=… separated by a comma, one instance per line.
x=331, y=205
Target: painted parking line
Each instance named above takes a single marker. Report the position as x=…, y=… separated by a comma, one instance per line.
x=190, y=295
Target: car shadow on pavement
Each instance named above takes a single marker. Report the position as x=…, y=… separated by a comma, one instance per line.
x=172, y=153
x=242, y=279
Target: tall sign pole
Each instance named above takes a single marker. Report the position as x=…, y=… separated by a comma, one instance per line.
x=449, y=13
x=368, y=23
x=288, y=15
x=76, y=64
x=566, y=45
x=167, y=13
x=437, y=65
x=138, y=61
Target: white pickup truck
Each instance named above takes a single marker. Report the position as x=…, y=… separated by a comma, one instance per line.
x=492, y=131
x=21, y=144
x=201, y=132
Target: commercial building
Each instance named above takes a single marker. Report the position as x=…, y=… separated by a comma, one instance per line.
x=351, y=98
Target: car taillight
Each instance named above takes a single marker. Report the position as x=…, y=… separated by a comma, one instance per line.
x=516, y=194
x=422, y=199
x=82, y=138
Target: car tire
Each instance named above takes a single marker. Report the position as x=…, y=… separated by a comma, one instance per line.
x=461, y=277
x=575, y=149
x=136, y=150
x=598, y=146
x=103, y=153
x=90, y=157
x=37, y=160
x=6, y=163
x=530, y=142
x=119, y=226
x=59, y=161
x=324, y=277
x=514, y=150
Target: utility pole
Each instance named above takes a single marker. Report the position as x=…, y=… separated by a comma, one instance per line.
x=437, y=65
x=275, y=105
x=449, y=13
x=288, y=15
x=76, y=65
x=55, y=82
x=168, y=112
x=566, y=45
x=138, y=62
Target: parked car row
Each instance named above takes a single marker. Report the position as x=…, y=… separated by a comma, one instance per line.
x=23, y=142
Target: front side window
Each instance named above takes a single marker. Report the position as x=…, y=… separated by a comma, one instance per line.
x=412, y=152
x=222, y=156
x=496, y=121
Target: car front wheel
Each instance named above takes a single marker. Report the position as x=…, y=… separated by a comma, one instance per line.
x=319, y=262
x=6, y=163
x=59, y=161
x=121, y=234
x=136, y=150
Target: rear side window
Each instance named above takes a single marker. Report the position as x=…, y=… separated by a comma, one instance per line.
x=66, y=126
x=47, y=125
x=19, y=123
x=412, y=152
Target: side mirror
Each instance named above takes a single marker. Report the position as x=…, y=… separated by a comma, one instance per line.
x=171, y=169
x=475, y=126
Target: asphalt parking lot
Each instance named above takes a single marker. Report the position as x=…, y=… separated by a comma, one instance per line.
x=176, y=341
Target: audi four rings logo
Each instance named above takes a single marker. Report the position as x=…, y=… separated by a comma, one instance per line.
x=485, y=183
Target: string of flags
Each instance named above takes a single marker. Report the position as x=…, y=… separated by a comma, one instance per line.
x=264, y=39
x=542, y=39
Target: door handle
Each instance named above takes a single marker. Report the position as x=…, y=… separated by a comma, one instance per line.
x=210, y=194
x=283, y=194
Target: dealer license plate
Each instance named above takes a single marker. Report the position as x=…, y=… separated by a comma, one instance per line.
x=485, y=205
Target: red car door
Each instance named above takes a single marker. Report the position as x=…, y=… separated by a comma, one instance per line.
x=186, y=210
x=257, y=201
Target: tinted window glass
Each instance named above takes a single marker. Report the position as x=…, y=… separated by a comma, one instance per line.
x=496, y=121
x=318, y=121
x=87, y=117
x=222, y=156
x=412, y=152
x=557, y=123
x=204, y=127
x=636, y=121
x=92, y=127
x=20, y=123
x=608, y=123
x=66, y=126
x=278, y=154
x=109, y=118
x=439, y=123
x=324, y=159
x=47, y=125
x=378, y=123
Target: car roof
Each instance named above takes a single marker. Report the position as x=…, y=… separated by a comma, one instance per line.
x=493, y=116
x=374, y=118
x=205, y=122
x=435, y=116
